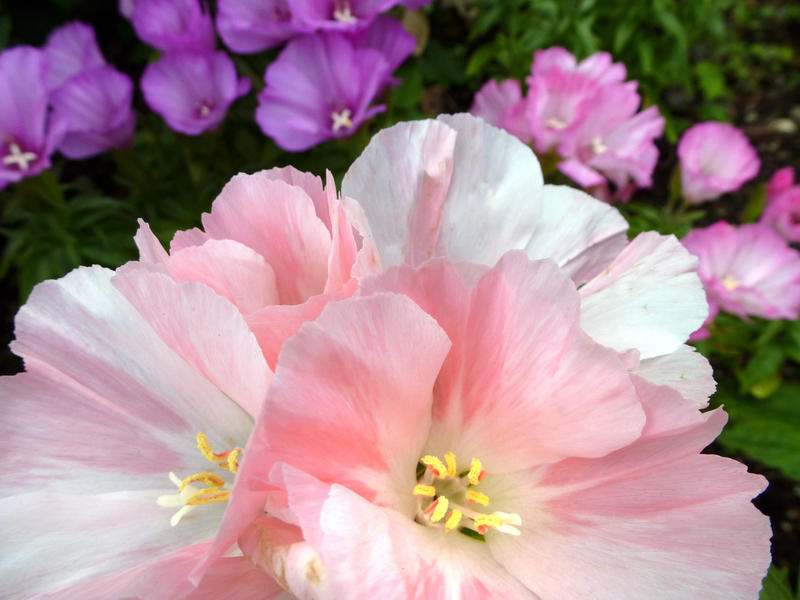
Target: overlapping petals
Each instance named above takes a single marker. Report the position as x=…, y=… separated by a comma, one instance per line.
x=782, y=211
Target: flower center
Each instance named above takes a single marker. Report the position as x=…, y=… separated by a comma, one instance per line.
x=555, y=123
x=189, y=497
x=19, y=158
x=204, y=108
x=598, y=146
x=730, y=283
x=342, y=119
x=342, y=12
x=444, y=498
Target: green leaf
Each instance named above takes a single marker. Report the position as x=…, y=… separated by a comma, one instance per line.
x=755, y=205
x=776, y=585
x=711, y=79
x=763, y=365
x=767, y=430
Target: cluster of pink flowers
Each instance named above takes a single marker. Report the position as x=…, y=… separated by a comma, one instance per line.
x=587, y=113
x=61, y=97
x=430, y=385
x=340, y=56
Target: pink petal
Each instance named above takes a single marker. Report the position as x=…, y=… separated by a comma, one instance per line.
x=203, y=328
x=279, y=222
x=650, y=298
x=628, y=522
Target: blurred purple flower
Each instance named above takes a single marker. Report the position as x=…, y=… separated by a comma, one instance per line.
x=320, y=87
x=782, y=211
x=26, y=141
x=94, y=110
x=126, y=8
x=715, y=158
x=70, y=49
x=248, y=26
x=389, y=37
x=340, y=15
x=192, y=90
x=174, y=24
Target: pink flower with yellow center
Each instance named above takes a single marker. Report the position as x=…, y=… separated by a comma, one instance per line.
x=453, y=433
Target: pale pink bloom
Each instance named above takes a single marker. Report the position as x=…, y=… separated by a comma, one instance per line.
x=123, y=371
x=503, y=106
x=599, y=66
x=782, y=211
x=580, y=480
x=746, y=270
x=459, y=188
x=277, y=245
x=715, y=158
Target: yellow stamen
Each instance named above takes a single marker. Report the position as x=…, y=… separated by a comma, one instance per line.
x=233, y=460
x=453, y=520
x=475, y=471
x=435, y=465
x=424, y=490
x=229, y=459
x=730, y=283
x=441, y=509
x=484, y=521
x=477, y=498
x=208, y=496
x=450, y=459
x=209, y=479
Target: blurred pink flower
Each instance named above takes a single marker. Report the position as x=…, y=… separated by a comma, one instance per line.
x=105, y=493
x=503, y=106
x=578, y=479
x=277, y=245
x=746, y=270
x=715, y=158
x=598, y=66
x=782, y=211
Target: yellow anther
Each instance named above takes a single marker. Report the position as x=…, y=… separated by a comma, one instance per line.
x=233, y=460
x=441, y=509
x=205, y=447
x=450, y=459
x=475, y=471
x=477, y=498
x=209, y=479
x=424, y=490
x=435, y=465
x=208, y=496
x=453, y=520
x=484, y=521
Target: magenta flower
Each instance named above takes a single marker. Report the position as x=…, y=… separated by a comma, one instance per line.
x=452, y=433
x=27, y=138
x=503, y=106
x=716, y=158
x=337, y=15
x=320, y=87
x=389, y=37
x=192, y=90
x=746, y=270
x=71, y=49
x=248, y=26
x=277, y=245
x=94, y=110
x=174, y=24
x=105, y=492
x=782, y=211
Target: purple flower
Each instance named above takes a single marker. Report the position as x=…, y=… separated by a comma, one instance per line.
x=715, y=158
x=70, y=49
x=93, y=108
x=337, y=15
x=192, y=90
x=248, y=26
x=26, y=141
x=389, y=37
x=174, y=24
x=320, y=87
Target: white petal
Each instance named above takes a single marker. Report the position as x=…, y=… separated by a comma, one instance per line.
x=685, y=370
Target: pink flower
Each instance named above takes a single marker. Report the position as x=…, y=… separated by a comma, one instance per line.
x=125, y=373
x=598, y=66
x=453, y=433
x=746, y=270
x=716, y=158
x=782, y=211
x=461, y=189
x=277, y=245
x=502, y=105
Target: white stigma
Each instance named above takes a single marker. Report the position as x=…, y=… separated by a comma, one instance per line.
x=342, y=119
x=598, y=146
x=17, y=157
x=555, y=123
x=179, y=499
x=342, y=12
